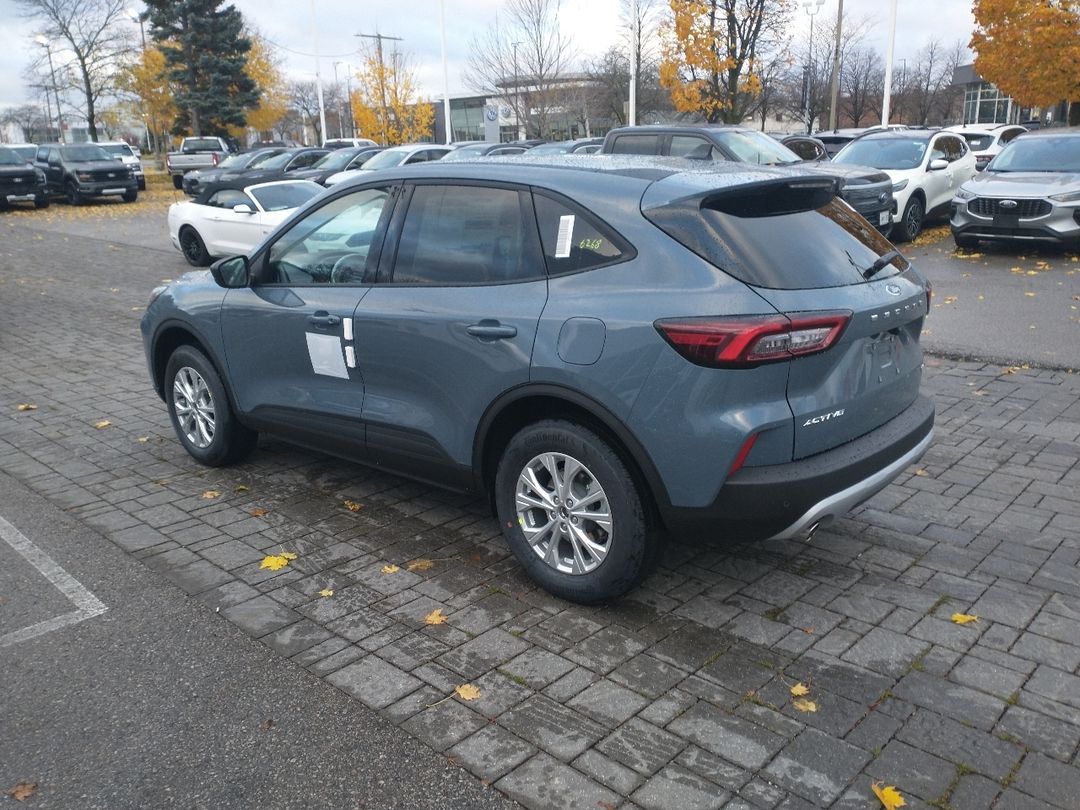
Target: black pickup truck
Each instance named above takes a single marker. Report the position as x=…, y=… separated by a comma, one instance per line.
x=83, y=170
x=20, y=181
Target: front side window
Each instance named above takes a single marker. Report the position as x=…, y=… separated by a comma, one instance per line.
x=572, y=240
x=334, y=244
x=687, y=146
x=455, y=235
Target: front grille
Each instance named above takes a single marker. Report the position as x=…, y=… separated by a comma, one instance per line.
x=867, y=198
x=102, y=176
x=1025, y=209
x=19, y=184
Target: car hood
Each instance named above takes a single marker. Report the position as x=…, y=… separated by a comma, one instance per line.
x=1023, y=184
x=16, y=171
x=96, y=165
x=848, y=172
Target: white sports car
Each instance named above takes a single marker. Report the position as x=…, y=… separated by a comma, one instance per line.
x=230, y=218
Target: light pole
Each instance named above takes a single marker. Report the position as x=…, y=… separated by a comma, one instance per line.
x=635, y=49
x=447, y=124
x=348, y=93
x=834, y=95
x=318, y=74
x=886, y=101
x=340, y=123
x=135, y=16
x=517, y=98
x=43, y=41
x=811, y=7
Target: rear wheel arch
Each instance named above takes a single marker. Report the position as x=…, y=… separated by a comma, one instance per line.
x=524, y=406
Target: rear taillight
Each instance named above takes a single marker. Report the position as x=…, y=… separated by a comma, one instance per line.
x=215, y=158
x=740, y=459
x=745, y=342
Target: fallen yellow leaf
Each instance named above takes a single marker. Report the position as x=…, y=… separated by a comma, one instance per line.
x=23, y=790
x=352, y=506
x=800, y=689
x=26, y=406
x=964, y=618
x=804, y=705
x=888, y=795
x=467, y=691
x=435, y=617
x=210, y=494
x=921, y=472
x=1029, y=294
x=241, y=488
x=275, y=562
x=104, y=423
x=390, y=569
x=421, y=564
x=326, y=592
x=258, y=511
x=143, y=439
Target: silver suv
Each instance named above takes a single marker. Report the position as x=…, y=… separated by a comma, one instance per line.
x=605, y=349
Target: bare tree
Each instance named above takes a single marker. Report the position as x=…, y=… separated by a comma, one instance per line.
x=861, y=79
x=934, y=99
x=94, y=33
x=30, y=118
x=523, y=59
x=304, y=99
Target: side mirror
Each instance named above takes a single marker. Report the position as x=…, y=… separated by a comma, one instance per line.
x=243, y=208
x=231, y=273
x=938, y=164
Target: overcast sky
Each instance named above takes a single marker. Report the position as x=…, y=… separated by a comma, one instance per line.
x=590, y=23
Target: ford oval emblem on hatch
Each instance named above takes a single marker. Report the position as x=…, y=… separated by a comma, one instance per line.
x=893, y=289
x=1010, y=204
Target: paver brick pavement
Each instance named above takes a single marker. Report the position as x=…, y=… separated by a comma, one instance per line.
x=678, y=696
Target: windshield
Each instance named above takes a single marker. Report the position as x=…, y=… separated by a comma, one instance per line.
x=274, y=162
x=283, y=196
x=389, y=158
x=1042, y=154
x=551, y=148
x=466, y=152
x=335, y=160
x=884, y=153
x=83, y=152
x=29, y=152
x=9, y=157
x=118, y=149
x=756, y=147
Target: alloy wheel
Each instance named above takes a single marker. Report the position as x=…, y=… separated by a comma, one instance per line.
x=564, y=513
x=194, y=407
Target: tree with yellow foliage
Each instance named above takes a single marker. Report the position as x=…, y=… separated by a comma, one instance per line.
x=385, y=104
x=712, y=51
x=264, y=68
x=1029, y=48
x=145, y=79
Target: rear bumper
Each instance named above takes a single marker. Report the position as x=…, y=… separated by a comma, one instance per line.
x=788, y=500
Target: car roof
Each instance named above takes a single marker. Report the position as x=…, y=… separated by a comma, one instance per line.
x=238, y=184
x=901, y=135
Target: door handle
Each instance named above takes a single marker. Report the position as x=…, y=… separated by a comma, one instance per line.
x=323, y=319
x=491, y=330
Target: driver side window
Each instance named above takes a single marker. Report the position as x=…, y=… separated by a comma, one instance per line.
x=335, y=244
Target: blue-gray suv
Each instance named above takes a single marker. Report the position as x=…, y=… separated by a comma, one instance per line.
x=607, y=348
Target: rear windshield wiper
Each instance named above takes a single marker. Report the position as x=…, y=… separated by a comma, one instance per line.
x=881, y=263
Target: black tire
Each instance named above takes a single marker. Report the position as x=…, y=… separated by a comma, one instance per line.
x=910, y=225
x=142, y=185
x=130, y=196
x=631, y=548
x=226, y=441
x=193, y=248
x=71, y=193
x=42, y=201
x=965, y=242
x=177, y=181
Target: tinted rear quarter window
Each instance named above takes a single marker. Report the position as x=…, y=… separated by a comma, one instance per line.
x=779, y=238
x=635, y=144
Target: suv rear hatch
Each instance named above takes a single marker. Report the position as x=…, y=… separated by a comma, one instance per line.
x=810, y=256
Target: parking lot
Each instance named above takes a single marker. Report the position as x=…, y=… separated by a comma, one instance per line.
x=678, y=696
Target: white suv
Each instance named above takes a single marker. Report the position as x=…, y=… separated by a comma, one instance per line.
x=130, y=157
x=987, y=140
x=926, y=167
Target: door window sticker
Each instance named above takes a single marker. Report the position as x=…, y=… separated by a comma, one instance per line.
x=566, y=236
x=325, y=354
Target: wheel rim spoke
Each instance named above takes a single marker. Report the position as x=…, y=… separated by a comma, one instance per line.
x=193, y=405
x=564, y=513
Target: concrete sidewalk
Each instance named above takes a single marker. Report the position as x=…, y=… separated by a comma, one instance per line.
x=678, y=696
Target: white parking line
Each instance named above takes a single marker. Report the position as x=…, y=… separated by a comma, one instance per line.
x=87, y=605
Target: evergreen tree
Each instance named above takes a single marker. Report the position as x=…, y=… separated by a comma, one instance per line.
x=205, y=57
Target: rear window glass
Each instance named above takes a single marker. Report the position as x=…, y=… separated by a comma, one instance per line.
x=201, y=145
x=978, y=142
x=635, y=144
x=572, y=240
x=780, y=239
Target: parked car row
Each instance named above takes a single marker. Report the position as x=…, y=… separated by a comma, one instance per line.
x=78, y=172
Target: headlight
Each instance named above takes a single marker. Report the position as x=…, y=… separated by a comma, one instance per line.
x=1068, y=196
x=156, y=293
x=899, y=186
x=40, y=175
x=963, y=194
